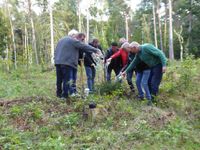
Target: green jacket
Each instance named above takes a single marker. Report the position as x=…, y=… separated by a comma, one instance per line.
x=150, y=55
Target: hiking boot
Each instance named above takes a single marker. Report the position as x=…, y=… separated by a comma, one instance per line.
x=149, y=103
x=140, y=98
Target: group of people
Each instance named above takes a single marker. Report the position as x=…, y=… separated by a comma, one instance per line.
x=125, y=59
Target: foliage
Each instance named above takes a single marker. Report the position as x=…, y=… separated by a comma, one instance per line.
x=35, y=119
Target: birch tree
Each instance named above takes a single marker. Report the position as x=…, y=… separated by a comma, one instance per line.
x=34, y=46
x=171, y=48
x=159, y=24
x=12, y=34
x=154, y=24
x=181, y=41
x=52, y=31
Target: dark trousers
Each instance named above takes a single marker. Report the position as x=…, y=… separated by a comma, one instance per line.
x=62, y=80
x=129, y=79
x=155, y=79
x=109, y=71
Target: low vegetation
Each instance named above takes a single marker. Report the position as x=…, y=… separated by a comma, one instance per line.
x=31, y=117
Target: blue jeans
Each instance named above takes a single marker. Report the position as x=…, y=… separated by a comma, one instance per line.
x=90, y=72
x=73, y=78
x=142, y=79
x=155, y=79
x=129, y=79
x=62, y=80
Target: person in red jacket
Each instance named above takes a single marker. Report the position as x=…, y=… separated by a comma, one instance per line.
x=123, y=53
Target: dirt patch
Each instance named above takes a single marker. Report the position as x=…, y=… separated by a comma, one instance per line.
x=4, y=102
x=153, y=117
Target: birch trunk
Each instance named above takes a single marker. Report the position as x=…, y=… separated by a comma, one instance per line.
x=13, y=36
x=52, y=34
x=165, y=28
x=181, y=41
x=127, y=28
x=88, y=26
x=171, y=48
x=159, y=24
x=188, y=44
x=154, y=24
x=33, y=32
x=79, y=17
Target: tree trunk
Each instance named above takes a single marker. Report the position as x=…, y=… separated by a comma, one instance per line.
x=159, y=24
x=25, y=46
x=88, y=26
x=165, y=28
x=52, y=34
x=33, y=32
x=188, y=44
x=79, y=17
x=7, y=59
x=13, y=36
x=181, y=41
x=127, y=28
x=171, y=48
x=154, y=24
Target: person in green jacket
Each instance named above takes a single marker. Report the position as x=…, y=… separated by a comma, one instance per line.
x=154, y=58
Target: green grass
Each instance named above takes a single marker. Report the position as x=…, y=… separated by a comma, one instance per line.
x=36, y=119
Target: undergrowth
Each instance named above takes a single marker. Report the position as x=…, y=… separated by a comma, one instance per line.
x=33, y=118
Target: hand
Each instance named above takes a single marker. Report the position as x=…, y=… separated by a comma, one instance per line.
x=164, y=68
x=92, y=64
x=99, y=52
x=123, y=74
x=109, y=60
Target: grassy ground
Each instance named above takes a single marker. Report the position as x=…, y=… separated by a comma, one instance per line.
x=31, y=117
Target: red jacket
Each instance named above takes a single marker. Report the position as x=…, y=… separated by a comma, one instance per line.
x=124, y=56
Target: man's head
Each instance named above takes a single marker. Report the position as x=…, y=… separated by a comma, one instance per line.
x=72, y=33
x=134, y=47
x=114, y=46
x=95, y=42
x=80, y=37
x=126, y=46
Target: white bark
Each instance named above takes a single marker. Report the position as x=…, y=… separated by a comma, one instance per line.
x=171, y=48
x=13, y=36
x=52, y=33
x=165, y=28
x=159, y=24
x=155, y=28
x=88, y=25
x=127, y=28
x=181, y=41
x=33, y=32
x=79, y=17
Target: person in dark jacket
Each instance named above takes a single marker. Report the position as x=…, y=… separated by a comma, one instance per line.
x=66, y=59
x=115, y=64
x=90, y=64
x=95, y=44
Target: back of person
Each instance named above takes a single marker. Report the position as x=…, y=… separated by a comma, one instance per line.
x=66, y=53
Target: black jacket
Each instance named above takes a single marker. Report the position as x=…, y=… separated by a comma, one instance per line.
x=115, y=63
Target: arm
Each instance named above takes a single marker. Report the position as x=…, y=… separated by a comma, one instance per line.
x=135, y=61
x=156, y=52
x=117, y=54
x=84, y=47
